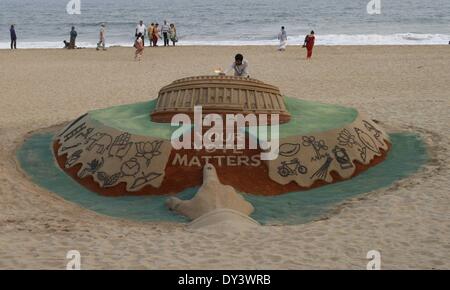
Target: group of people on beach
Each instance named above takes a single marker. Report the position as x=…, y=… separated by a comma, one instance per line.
x=167, y=32
x=71, y=43
x=309, y=42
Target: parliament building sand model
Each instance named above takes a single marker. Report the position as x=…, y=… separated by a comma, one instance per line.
x=120, y=151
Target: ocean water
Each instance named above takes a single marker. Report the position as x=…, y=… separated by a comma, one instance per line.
x=45, y=23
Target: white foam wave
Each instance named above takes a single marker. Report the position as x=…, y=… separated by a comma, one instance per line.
x=328, y=39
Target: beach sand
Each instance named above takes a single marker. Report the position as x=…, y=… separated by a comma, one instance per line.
x=407, y=88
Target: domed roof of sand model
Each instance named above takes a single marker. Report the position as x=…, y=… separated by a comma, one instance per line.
x=219, y=94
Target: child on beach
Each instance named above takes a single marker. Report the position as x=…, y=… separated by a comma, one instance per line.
x=309, y=44
x=173, y=34
x=12, y=32
x=139, y=45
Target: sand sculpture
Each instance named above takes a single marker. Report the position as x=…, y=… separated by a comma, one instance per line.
x=211, y=196
x=111, y=160
x=219, y=94
x=223, y=220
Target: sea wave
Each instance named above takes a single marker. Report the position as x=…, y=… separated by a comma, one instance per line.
x=392, y=39
x=328, y=39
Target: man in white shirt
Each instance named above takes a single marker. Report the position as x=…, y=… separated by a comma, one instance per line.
x=239, y=66
x=140, y=28
x=165, y=28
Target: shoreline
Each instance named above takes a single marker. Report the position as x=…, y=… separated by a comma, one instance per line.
x=236, y=46
x=90, y=39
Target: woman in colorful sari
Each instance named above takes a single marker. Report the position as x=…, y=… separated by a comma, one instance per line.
x=150, y=33
x=155, y=34
x=309, y=44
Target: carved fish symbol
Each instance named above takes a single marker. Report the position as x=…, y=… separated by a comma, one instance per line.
x=367, y=141
x=376, y=133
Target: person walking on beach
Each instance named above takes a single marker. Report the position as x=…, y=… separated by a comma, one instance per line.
x=150, y=33
x=165, y=33
x=309, y=44
x=239, y=66
x=139, y=45
x=155, y=35
x=73, y=37
x=141, y=29
x=282, y=37
x=12, y=32
x=173, y=34
x=102, y=42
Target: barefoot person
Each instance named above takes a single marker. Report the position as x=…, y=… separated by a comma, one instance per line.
x=165, y=29
x=173, y=34
x=12, y=32
x=239, y=66
x=282, y=37
x=155, y=35
x=101, y=43
x=139, y=45
x=150, y=33
x=309, y=44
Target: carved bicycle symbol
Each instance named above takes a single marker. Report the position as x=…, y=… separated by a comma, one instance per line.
x=292, y=167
